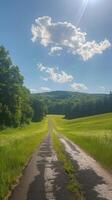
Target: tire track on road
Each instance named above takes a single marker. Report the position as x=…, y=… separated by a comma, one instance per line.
x=96, y=181
x=43, y=178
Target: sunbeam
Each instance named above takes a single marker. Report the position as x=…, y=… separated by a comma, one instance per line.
x=81, y=11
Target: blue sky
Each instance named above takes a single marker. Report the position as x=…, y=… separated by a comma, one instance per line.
x=68, y=47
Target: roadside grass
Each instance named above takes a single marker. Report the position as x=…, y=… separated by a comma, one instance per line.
x=73, y=184
x=16, y=148
x=93, y=134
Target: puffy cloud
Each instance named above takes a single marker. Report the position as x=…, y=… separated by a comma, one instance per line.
x=79, y=86
x=55, y=75
x=89, y=49
x=60, y=77
x=64, y=35
x=41, y=67
x=55, y=50
x=45, y=89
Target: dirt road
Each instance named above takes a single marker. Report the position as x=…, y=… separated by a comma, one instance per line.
x=44, y=178
x=96, y=182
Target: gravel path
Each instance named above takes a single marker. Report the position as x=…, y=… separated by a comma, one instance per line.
x=96, y=182
x=43, y=178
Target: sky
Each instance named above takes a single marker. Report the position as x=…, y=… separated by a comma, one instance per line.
x=60, y=44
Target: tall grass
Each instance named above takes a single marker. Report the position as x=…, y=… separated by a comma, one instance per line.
x=93, y=134
x=16, y=147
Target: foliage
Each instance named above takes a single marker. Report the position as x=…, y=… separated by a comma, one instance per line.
x=15, y=108
x=80, y=109
x=74, y=104
x=39, y=109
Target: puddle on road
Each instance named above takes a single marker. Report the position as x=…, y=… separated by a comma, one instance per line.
x=85, y=163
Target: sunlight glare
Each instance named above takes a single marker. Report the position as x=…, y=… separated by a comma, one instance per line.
x=82, y=11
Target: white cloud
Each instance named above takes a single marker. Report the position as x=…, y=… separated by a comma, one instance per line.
x=33, y=90
x=66, y=36
x=89, y=49
x=41, y=67
x=79, y=86
x=55, y=50
x=56, y=75
x=45, y=89
x=60, y=77
x=41, y=89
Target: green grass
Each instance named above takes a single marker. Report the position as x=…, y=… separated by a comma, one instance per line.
x=73, y=184
x=93, y=134
x=16, y=147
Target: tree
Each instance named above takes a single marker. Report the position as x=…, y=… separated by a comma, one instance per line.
x=39, y=109
x=26, y=109
x=15, y=107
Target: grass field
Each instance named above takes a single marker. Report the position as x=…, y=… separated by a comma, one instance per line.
x=93, y=134
x=16, y=147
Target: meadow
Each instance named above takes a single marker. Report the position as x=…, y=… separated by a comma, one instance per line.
x=93, y=134
x=16, y=148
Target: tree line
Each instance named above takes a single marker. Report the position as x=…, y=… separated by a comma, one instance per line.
x=74, y=105
x=17, y=106
x=82, y=109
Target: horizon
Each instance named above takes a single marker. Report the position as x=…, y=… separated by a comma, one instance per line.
x=39, y=92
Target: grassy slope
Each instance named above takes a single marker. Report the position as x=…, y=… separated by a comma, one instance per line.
x=16, y=147
x=94, y=134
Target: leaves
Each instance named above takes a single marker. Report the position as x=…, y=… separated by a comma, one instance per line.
x=15, y=108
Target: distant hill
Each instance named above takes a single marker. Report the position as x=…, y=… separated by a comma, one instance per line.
x=57, y=101
x=62, y=95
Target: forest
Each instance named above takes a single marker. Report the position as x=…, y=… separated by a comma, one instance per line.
x=74, y=104
x=17, y=106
